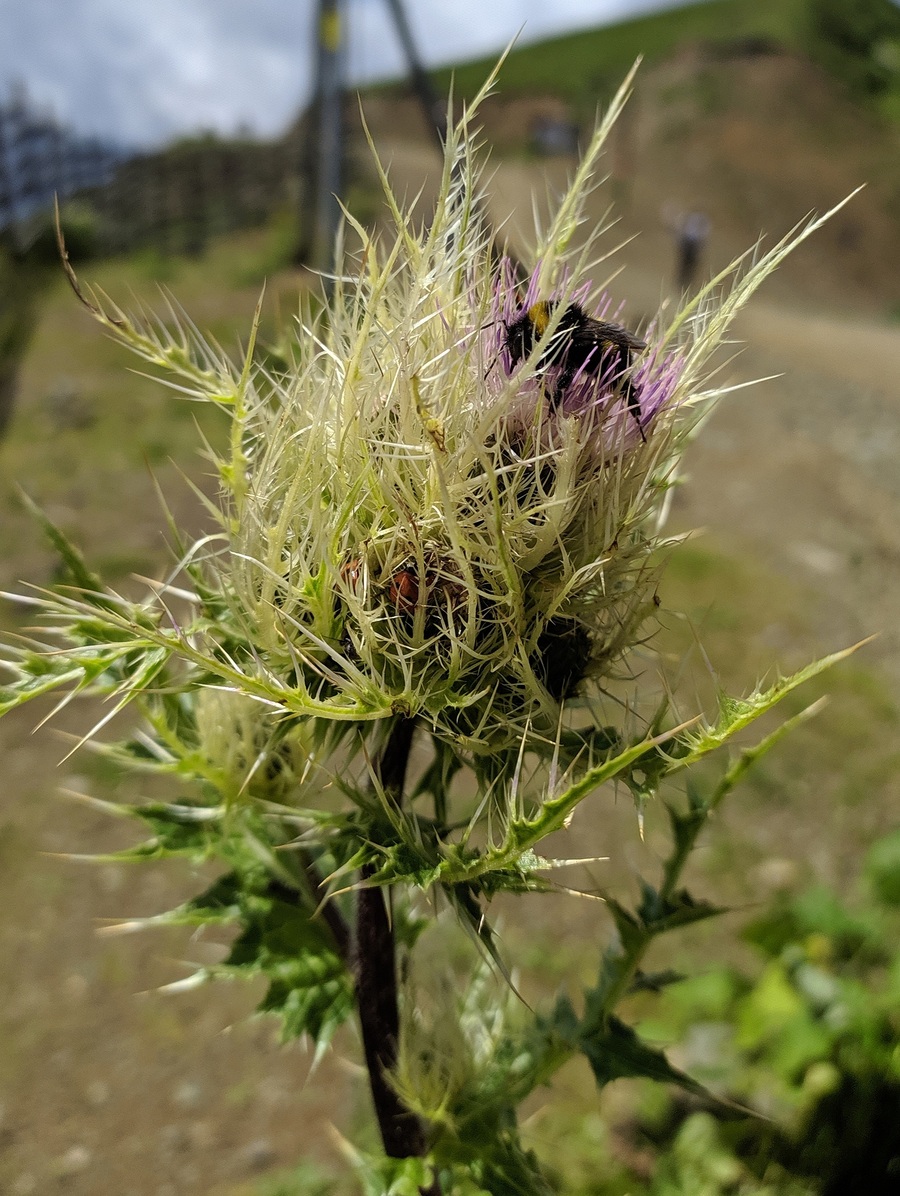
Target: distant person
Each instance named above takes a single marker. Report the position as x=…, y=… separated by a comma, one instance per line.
x=691, y=232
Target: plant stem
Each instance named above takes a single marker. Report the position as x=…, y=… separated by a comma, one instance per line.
x=329, y=912
x=402, y=1133
x=629, y=959
x=621, y=961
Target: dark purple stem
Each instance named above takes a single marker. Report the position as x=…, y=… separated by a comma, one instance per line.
x=402, y=1132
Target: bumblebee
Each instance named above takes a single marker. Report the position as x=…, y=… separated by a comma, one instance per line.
x=579, y=345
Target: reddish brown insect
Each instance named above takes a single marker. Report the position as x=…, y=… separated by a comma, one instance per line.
x=403, y=591
x=350, y=571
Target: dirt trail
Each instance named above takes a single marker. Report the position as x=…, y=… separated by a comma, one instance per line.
x=805, y=469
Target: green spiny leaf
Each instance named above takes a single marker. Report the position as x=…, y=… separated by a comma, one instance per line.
x=654, y=982
x=685, y=826
x=737, y=713
x=511, y=1171
x=221, y=902
x=76, y=571
x=660, y=914
x=36, y=676
x=187, y=830
x=632, y=935
x=615, y=1051
x=309, y=986
x=522, y=834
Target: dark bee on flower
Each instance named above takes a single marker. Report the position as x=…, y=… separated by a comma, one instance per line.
x=579, y=345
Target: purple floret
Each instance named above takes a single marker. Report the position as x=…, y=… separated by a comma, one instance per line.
x=626, y=408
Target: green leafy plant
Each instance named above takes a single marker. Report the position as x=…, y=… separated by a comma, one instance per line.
x=858, y=42
x=383, y=680
x=811, y=1040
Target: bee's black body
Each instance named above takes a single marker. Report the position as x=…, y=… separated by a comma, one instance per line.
x=580, y=344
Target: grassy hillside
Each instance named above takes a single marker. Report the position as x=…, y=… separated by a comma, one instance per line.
x=755, y=140
x=582, y=65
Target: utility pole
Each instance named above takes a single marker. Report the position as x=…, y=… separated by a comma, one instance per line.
x=330, y=64
x=435, y=112
x=323, y=149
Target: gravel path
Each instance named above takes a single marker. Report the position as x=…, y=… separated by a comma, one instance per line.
x=805, y=469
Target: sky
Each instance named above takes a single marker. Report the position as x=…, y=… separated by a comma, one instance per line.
x=142, y=71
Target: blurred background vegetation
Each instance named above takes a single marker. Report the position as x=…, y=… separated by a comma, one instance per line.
x=752, y=112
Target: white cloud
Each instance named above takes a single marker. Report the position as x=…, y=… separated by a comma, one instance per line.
x=142, y=70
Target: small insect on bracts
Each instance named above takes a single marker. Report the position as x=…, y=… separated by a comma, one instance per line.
x=438, y=592
x=350, y=572
x=403, y=591
x=579, y=345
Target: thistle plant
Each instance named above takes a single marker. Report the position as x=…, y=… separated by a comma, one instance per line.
x=382, y=680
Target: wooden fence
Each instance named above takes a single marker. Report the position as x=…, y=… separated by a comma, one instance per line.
x=40, y=158
x=172, y=199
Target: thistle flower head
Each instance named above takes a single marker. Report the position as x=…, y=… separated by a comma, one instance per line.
x=237, y=750
x=434, y=522
x=450, y=505
x=448, y=509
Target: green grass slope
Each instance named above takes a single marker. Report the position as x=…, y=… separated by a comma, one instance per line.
x=589, y=62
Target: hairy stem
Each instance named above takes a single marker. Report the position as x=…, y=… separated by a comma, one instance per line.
x=402, y=1133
